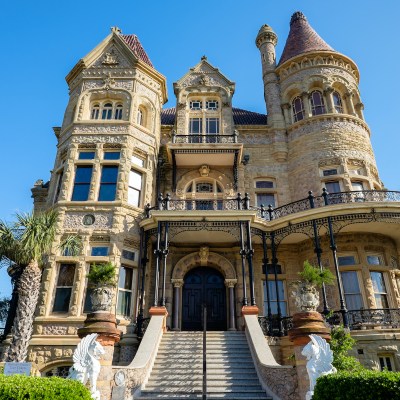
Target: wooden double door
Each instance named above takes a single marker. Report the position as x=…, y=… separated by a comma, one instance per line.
x=204, y=285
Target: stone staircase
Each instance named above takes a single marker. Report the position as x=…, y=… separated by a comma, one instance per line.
x=178, y=368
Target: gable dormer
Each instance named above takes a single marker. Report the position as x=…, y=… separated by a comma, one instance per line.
x=204, y=101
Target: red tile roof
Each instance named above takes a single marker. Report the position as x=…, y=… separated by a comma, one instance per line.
x=134, y=44
x=240, y=117
x=302, y=39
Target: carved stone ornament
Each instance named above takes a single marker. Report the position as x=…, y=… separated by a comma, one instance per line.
x=86, y=363
x=119, y=378
x=109, y=82
x=204, y=80
x=319, y=361
x=88, y=219
x=204, y=254
x=110, y=58
x=101, y=298
x=306, y=296
x=204, y=170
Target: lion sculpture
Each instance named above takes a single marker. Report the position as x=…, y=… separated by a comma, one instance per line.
x=319, y=361
x=86, y=363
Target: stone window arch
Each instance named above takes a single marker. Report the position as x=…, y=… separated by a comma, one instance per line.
x=337, y=102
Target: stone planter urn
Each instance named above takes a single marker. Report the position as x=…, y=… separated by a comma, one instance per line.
x=101, y=297
x=306, y=296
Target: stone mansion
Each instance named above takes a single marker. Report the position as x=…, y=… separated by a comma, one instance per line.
x=208, y=204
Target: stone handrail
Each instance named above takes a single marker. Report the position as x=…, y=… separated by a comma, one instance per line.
x=280, y=381
x=138, y=371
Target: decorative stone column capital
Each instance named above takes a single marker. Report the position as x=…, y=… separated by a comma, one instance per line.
x=178, y=283
x=304, y=94
x=349, y=95
x=285, y=106
x=359, y=106
x=329, y=90
x=230, y=283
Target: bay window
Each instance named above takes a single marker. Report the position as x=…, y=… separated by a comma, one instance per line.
x=83, y=177
x=108, y=183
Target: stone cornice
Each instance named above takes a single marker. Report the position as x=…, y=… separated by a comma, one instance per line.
x=329, y=117
x=317, y=59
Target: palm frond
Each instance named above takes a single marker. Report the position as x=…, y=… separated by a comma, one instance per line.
x=71, y=245
x=10, y=247
x=38, y=233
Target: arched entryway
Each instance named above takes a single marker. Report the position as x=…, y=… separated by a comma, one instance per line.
x=204, y=285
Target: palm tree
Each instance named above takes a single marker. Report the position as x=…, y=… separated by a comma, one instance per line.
x=25, y=244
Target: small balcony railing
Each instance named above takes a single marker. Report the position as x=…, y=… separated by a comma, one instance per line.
x=388, y=318
x=207, y=138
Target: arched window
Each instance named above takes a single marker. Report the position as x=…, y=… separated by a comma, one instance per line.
x=118, y=111
x=107, y=111
x=337, y=102
x=317, y=103
x=204, y=195
x=140, y=117
x=298, y=109
x=95, y=111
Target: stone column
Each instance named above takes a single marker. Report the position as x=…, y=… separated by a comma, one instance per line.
x=360, y=107
x=178, y=283
x=369, y=289
x=350, y=104
x=329, y=100
x=230, y=284
x=286, y=113
x=305, y=324
x=306, y=103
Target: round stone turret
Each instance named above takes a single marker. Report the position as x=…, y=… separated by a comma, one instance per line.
x=266, y=41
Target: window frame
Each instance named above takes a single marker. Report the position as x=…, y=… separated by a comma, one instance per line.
x=317, y=109
x=63, y=287
x=359, y=284
x=106, y=184
x=78, y=184
x=131, y=291
x=297, y=113
x=338, y=108
x=382, y=295
x=271, y=280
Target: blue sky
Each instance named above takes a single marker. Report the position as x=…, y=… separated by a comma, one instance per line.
x=43, y=40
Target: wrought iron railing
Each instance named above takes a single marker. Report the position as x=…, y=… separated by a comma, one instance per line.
x=269, y=213
x=275, y=326
x=203, y=205
x=357, y=319
x=141, y=326
x=331, y=199
x=204, y=138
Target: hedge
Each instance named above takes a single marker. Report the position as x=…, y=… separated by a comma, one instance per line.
x=363, y=385
x=19, y=387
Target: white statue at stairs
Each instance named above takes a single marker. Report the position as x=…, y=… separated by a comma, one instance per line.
x=86, y=363
x=319, y=361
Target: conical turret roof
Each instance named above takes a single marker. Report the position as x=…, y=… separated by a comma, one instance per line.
x=302, y=39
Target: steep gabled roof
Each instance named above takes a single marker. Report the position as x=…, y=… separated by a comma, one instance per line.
x=302, y=39
x=134, y=44
x=240, y=117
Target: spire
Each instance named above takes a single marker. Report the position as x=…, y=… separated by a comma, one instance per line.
x=302, y=39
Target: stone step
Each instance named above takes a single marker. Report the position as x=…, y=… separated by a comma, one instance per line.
x=210, y=396
x=191, y=381
x=192, y=388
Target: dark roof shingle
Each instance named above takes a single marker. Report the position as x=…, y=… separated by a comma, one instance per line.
x=302, y=39
x=240, y=117
x=134, y=44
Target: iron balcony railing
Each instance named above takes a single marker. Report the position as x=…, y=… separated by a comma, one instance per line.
x=359, y=196
x=269, y=213
x=207, y=138
x=357, y=319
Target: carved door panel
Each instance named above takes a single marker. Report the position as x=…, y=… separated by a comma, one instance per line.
x=204, y=286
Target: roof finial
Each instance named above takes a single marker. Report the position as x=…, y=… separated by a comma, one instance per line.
x=204, y=58
x=296, y=16
x=115, y=29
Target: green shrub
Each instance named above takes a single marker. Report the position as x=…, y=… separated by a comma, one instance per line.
x=341, y=343
x=18, y=387
x=315, y=275
x=102, y=274
x=364, y=385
